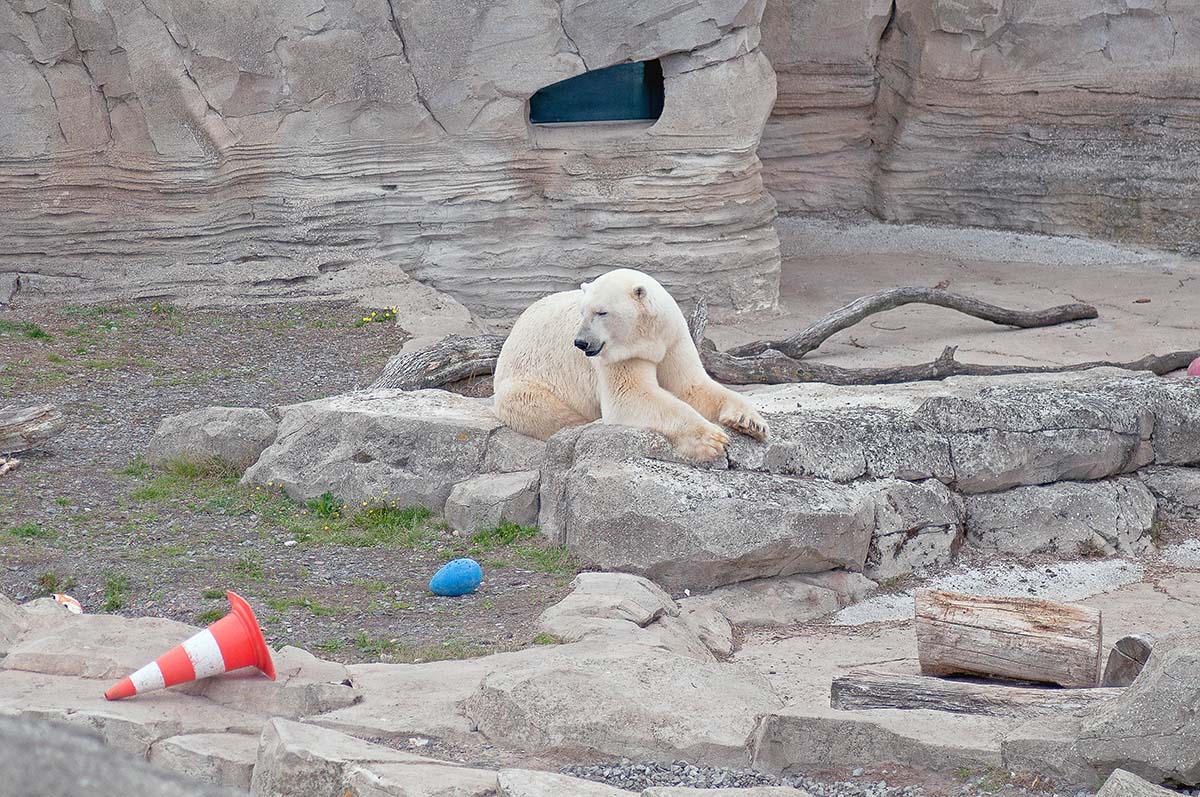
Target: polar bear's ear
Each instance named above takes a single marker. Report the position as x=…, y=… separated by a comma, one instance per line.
x=583, y=286
x=639, y=292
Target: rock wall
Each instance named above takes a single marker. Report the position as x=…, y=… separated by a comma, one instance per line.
x=1077, y=117
x=283, y=148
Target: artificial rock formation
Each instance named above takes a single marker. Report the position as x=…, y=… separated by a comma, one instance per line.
x=1052, y=116
x=303, y=148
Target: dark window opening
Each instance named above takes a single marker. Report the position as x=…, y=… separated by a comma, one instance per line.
x=621, y=92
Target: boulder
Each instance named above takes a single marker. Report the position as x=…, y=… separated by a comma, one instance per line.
x=917, y=526
x=51, y=760
x=13, y=624
x=617, y=507
x=133, y=725
x=485, y=502
x=1177, y=491
x=226, y=759
x=623, y=702
x=295, y=758
x=1071, y=518
x=1151, y=729
x=532, y=783
x=383, y=446
x=783, y=600
x=1126, y=784
x=233, y=436
x=622, y=609
x=100, y=646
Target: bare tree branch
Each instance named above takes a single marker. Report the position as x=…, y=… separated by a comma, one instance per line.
x=449, y=360
x=796, y=346
x=773, y=368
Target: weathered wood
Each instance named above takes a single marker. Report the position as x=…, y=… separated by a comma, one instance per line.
x=773, y=368
x=1126, y=659
x=1026, y=639
x=698, y=321
x=796, y=346
x=449, y=360
x=867, y=690
x=22, y=428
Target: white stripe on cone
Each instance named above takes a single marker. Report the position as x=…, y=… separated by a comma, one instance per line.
x=205, y=654
x=148, y=678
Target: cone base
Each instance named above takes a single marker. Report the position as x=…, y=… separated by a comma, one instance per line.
x=262, y=654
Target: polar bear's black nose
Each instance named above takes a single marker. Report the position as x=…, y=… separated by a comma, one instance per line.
x=582, y=345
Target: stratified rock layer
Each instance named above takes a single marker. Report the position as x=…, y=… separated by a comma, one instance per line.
x=302, y=148
x=1053, y=116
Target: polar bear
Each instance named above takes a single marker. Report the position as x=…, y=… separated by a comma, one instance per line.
x=617, y=349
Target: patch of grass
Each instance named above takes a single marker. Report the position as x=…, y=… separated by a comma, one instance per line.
x=138, y=467
x=549, y=559
x=547, y=639
x=331, y=645
x=382, y=525
x=31, y=531
x=194, y=469
x=327, y=506
x=502, y=536
x=51, y=582
x=116, y=589
x=209, y=616
x=63, y=501
x=368, y=585
x=315, y=609
x=213, y=594
x=58, y=359
x=26, y=328
x=377, y=317
x=248, y=565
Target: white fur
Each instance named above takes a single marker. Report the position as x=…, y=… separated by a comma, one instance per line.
x=647, y=372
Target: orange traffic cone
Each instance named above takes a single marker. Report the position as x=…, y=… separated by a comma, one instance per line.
x=233, y=642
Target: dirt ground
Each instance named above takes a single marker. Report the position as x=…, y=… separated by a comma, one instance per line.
x=86, y=516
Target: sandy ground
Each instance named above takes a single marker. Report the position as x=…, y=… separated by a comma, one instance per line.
x=1149, y=301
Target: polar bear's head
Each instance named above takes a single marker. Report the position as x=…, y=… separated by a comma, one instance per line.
x=625, y=316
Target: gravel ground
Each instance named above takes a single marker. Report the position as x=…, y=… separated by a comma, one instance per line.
x=892, y=781
x=84, y=515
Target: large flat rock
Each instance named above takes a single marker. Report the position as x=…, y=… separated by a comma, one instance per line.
x=389, y=445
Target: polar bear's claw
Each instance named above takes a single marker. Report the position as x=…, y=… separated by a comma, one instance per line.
x=705, y=445
x=746, y=421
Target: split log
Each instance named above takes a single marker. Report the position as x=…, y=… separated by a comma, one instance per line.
x=867, y=690
x=1126, y=659
x=22, y=428
x=1027, y=639
x=809, y=339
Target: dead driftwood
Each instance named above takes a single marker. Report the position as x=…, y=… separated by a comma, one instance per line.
x=1027, y=639
x=22, y=428
x=1126, y=659
x=778, y=362
x=809, y=339
x=868, y=690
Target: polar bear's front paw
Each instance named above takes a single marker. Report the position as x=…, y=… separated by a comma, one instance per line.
x=704, y=443
x=745, y=419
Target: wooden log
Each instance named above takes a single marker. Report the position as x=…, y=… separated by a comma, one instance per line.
x=1026, y=639
x=1126, y=659
x=22, y=428
x=867, y=690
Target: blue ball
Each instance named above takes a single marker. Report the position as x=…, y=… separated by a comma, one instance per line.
x=456, y=578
